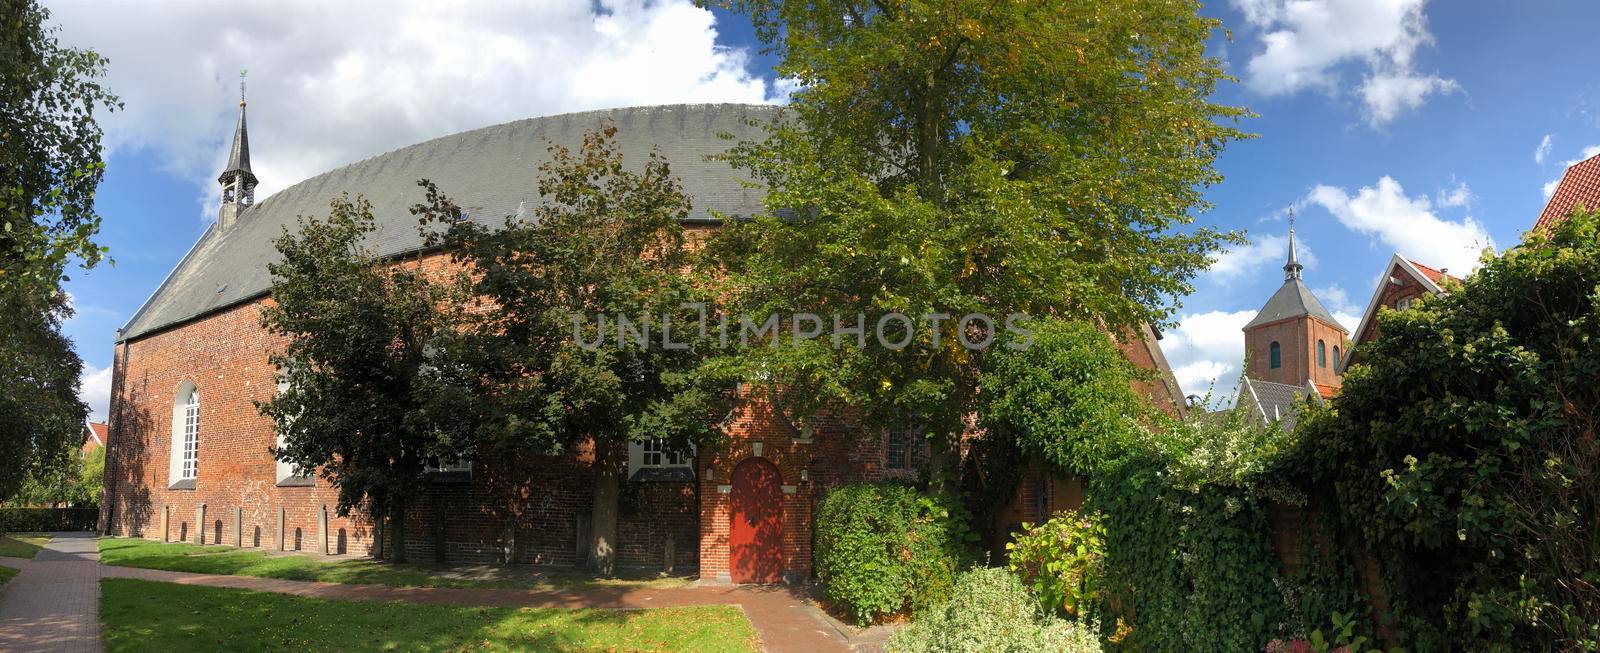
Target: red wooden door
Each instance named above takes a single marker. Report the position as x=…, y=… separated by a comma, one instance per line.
x=755, y=538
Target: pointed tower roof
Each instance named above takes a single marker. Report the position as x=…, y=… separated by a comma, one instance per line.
x=239, y=156
x=1291, y=269
x=1293, y=298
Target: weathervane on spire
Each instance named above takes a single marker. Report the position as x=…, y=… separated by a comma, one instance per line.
x=241, y=86
x=1291, y=270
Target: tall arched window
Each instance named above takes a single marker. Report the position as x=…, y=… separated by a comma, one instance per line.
x=1336, y=357
x=1322, y=354
x=1275, y=354
x=185, y=461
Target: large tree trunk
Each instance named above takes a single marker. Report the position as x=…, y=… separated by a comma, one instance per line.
x=608, y=470
x=397, y=532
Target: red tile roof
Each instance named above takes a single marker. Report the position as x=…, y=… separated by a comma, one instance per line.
x=1436, y=276
x=1580, y=185
x=101, y=431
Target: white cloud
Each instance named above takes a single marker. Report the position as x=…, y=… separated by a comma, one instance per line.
x=1304, y=42
x=1390, y=93
x=1459, y=196
x=332, y=83
x=1206, y=352
x=1550, y=186
x=1260, y=253
x=1543, y=151
x=94, y=389
x=1406, y=224
x=1336, y=299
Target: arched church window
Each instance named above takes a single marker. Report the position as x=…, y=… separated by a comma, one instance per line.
x=1275, y=355
x=185, y=461
x=1322, y=354
x=1336, y=356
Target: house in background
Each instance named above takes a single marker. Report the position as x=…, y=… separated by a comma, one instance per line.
x=95, y=436
x=1579, y=186
x=1403, y=282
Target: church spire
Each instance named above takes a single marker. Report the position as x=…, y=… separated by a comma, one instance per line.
x=1291, y=269
x=238, y=182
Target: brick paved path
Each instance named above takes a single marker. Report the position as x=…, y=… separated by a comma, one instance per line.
x=54, y=604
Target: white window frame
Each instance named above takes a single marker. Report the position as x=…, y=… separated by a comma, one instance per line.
x=191, y=436
x=187, y=427
x=1404, y=303
x=285, y=471
x=651, y=454
x=448, y=466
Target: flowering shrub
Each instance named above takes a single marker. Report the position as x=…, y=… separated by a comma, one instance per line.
x=1062, y=561
x=991, y=612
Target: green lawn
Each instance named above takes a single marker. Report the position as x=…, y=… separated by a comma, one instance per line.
x=131, y=552
x=22, y=546
x=140, y=615
x=6, y=574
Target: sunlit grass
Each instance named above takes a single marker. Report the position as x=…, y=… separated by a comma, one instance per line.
x=227, y=560
x=147, y=616
x=6, y=574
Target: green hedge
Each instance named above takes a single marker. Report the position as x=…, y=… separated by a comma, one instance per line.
x=29, y=520
x=883, y=548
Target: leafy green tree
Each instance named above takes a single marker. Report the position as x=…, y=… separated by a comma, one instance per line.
x=50, y=166
x=79, y=482
x=556, y=366
x=1462, y=450
x=368, y=396
x=963, y=156
x=50, y=159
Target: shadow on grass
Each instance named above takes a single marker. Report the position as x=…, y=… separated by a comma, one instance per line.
x=227, y=560
x=18, y=545
x=148, y=616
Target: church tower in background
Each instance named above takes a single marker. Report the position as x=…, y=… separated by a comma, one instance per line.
x=238, y=182
x=1294, y=340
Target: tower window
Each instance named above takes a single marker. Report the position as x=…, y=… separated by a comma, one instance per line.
x=1275, y=355
x=1322, y=354
x=1336, y=356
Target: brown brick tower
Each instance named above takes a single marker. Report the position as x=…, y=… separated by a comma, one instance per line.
x=1294, y=339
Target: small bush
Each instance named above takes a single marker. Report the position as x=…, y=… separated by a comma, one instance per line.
x=29, y=520
x=1063, y=561
x=883, y=548
x=991, y=612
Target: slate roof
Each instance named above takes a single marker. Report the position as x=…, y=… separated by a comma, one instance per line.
x=1275, y=402
x=239, y=154
x=1293, y=299
x=1579, y=185
x=490, y=172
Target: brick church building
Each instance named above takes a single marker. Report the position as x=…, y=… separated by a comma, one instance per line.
x=189, y=454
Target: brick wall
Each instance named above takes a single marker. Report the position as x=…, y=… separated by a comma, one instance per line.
x=1297, y=339
x=534, y=507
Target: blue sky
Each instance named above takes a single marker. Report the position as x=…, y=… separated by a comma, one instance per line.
x=1428, y=128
